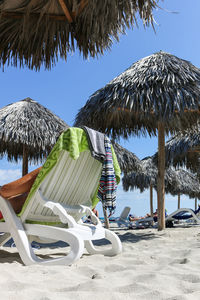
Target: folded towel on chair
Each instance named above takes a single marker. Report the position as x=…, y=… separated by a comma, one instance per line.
x=100, y=147
x=96, y=143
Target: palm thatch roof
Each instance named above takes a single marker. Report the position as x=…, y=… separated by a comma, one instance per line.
x=28, y=123
x=127, y=160
x=176, y=181
x=143, y=178
x=160, y=87
x=37, y=32
x=136, y=180
x=188, y=184
x=183, y=149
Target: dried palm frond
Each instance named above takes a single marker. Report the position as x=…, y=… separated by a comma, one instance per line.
x=34, y=33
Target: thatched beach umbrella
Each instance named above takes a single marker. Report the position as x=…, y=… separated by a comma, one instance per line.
x=177, y=182
x=37, y=32
x=146, y=178
x=127, y=160
x=28, y=131
x=159, y=94
x=188, y=184
x=183, y=149
x=142, y=179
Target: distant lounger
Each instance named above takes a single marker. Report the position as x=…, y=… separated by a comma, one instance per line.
x=146, y=222
x=123, y=221
x=185, y=214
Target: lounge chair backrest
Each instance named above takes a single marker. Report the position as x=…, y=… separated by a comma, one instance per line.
x=70, y=182
x=124, y=214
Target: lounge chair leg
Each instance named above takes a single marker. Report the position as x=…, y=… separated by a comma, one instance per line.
x=67, y=235
x=20, y=233
x=115, y=242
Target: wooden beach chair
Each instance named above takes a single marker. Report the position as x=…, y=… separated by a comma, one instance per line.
x=63, y=192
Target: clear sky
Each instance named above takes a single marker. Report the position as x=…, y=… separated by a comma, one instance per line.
x=66, y=88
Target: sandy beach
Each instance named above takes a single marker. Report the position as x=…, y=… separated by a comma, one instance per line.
x=153, y=265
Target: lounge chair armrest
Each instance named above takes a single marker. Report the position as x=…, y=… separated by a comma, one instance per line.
x=90, y=213
x=63, y=210
x=82, y=209
x=60, y=211
x=69, y=208
x=75, y=208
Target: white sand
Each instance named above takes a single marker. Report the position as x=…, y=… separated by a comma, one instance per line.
x=153, y=265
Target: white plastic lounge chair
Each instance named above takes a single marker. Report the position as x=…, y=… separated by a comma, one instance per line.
x=146, y=222
x=184, y=214
x=62, y=193
x=123, y=221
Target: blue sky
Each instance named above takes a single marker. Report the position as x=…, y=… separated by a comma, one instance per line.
x=66, y=88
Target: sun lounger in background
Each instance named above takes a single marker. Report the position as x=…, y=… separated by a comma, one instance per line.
x=146, y=222
x=61, y=195
x=123, y=221
x=184, y=214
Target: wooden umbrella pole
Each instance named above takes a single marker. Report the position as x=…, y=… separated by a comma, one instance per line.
x=179, y=200
x=151, y=200
x=107, y=225
x=161, y=176
x=25, y=161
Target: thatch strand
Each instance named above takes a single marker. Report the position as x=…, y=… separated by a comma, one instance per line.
x=34, y=33
x=158, y=87
x=27, y=122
